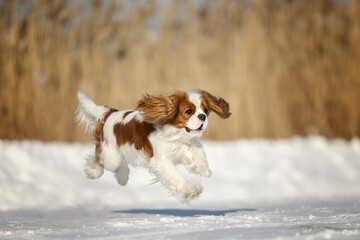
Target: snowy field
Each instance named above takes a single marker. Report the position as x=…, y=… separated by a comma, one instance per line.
x=301, y=188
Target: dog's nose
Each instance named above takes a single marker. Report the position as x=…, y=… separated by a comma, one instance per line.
x=202, y=117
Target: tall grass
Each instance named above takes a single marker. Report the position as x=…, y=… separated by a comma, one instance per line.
x=286, y=67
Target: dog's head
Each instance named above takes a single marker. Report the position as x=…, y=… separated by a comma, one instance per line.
x=184, y=112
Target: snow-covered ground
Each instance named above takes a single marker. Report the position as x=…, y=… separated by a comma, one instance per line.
x=300, y=188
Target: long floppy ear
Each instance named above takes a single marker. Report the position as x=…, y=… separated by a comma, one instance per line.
x=217, y=105
x=158, y=110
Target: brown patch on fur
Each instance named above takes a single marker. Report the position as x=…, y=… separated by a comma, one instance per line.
x=217, y=105
x=183, y=105
x=98, y=134
x=161, y=110
x=135, y=133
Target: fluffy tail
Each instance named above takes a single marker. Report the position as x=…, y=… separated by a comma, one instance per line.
x=88, y=113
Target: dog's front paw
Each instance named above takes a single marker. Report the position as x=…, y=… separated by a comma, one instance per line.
x=202, y=170
x=190, y=192
x=206, y=173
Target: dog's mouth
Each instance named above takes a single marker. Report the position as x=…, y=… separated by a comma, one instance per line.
x=194, y=130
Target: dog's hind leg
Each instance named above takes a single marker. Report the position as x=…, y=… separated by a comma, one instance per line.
x=93, y=169
x=115, y=162
x=122, y=174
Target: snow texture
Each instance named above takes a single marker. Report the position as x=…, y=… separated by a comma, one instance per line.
x=301, y=188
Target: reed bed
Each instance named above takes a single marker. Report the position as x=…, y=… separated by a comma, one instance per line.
x=286, y=67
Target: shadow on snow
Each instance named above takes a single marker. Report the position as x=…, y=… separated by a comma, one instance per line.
x=184, y=212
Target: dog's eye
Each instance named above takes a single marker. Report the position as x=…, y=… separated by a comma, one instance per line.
x=206, y=111
x=189, y=111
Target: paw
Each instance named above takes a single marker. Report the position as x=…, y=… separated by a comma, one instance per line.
x=190, y=192
x=122, y=176
x=201, y=170
x=122, y=180
x=94, y=171
x=206, y=172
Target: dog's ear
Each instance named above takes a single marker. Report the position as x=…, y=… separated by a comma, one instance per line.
x=158, y=110
x=217, y=105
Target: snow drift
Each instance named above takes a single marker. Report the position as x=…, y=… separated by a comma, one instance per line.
x=50, y=175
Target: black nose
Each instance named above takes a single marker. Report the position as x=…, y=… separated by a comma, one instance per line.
x=202, y=117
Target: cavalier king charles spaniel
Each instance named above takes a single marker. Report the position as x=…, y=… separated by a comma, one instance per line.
x=160, y=133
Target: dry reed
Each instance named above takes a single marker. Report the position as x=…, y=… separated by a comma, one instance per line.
x=286, y=67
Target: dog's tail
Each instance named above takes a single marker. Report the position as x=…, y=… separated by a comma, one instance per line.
x=88, y=113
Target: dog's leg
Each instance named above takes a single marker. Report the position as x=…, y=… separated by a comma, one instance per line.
x=198, y=163
x=110, y=157
x=169, y=176
x=93, y=169
x=122, y=174
x=115, y=162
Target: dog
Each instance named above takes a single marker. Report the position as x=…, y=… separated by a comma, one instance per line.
x=160, y=133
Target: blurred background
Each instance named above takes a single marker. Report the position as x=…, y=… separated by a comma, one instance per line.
x=286, y=67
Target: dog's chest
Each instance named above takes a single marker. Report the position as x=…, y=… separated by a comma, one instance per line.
x=180, y=153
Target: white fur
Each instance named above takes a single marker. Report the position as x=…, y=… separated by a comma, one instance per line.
x=194, y=122
x=88, y=112
x=171, y=146
x=93, y=169
x=170, y=149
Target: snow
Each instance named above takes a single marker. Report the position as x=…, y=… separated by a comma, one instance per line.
x=298, y=188
x=335, y=219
